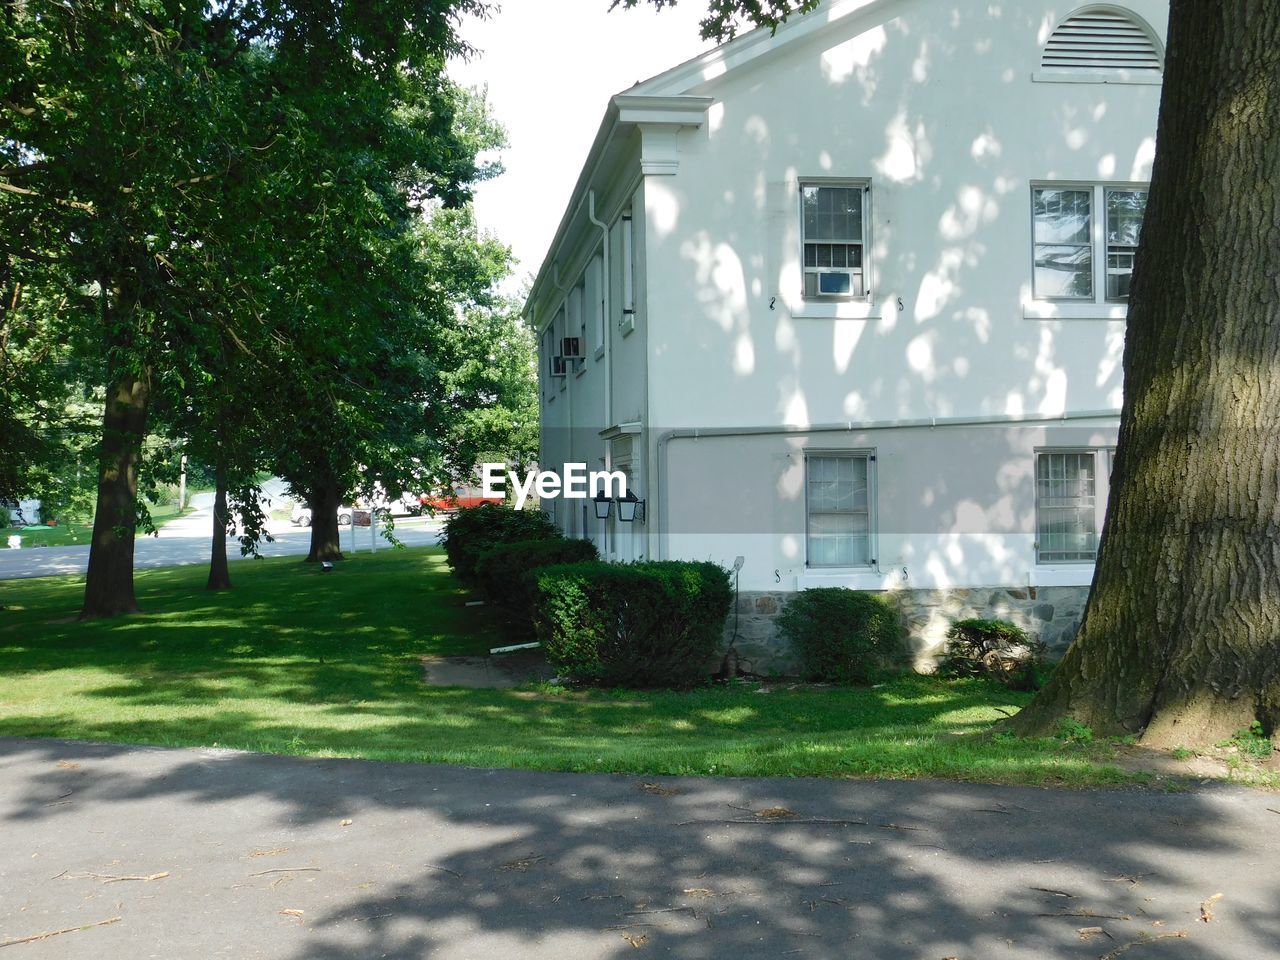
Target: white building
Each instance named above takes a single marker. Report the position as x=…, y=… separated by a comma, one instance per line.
x=848, y=302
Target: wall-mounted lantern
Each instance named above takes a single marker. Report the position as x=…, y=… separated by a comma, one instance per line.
x=630, y=508
x=603, y=505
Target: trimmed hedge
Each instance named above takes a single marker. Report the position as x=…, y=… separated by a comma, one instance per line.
x=841, y=635
x=648, y=624
x=997, y=649
x=472, y=530
x=505, y=571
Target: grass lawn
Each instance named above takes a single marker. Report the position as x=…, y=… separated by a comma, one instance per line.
x=70, y=534
x=300, y=662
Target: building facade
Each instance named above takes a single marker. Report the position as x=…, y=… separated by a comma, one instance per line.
x=847, y=301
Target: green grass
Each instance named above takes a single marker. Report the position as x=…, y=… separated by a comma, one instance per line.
x=296, y=661
x=73, y=533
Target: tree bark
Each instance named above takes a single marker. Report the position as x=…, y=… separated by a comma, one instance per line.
x=219, y=574
x=324, y=500
x=108, y=590
x=1181, y=634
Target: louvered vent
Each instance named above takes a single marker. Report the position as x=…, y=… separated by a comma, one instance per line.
x=1101, y=40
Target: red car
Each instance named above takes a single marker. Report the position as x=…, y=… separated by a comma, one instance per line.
x=461, y=497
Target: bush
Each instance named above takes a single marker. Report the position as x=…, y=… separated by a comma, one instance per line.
x=840, y=635
x=473, y=530
x=505, y=571
x=996, y=649
x=651, y=624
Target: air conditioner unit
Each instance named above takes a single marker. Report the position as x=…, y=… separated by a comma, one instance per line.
x=559, y=366
x=833, y=282
x=571, y=348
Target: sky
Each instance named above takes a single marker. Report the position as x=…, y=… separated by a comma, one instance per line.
x=550, y=67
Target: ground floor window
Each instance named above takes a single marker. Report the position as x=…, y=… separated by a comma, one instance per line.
x=838, y=506
x=1071, y=499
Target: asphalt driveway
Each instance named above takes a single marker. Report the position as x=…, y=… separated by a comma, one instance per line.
x=208, y=853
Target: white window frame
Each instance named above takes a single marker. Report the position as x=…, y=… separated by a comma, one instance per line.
x=1097, y=240
x=628, y=227
x=868, y=454
x=601, y=308
x=1103, y=459
x=862, y=184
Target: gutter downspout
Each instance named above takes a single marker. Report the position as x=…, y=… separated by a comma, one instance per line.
x=849, y=426
x=608, y=342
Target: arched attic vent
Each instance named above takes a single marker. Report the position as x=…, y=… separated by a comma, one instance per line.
x=1102, y=39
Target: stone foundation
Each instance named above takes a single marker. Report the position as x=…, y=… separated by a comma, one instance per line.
x=1051, y=614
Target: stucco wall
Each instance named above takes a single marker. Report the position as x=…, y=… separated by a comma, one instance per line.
x=935, y=104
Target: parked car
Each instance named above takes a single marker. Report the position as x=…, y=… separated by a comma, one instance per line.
x=301, y=516
x=462, y=496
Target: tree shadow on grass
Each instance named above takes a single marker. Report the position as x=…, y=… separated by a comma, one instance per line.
x=413, y=861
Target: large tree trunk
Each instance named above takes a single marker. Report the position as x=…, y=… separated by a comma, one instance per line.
x=325, y=499
x=1181, y=636
x=219, y=574
x=108, y=590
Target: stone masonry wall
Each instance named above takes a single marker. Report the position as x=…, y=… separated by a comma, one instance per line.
x=1050, y=613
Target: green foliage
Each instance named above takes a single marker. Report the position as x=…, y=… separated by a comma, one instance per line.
x=505, y=572
x=1252, y=742
x=471, y=531
x=997, y=649
x=1071, y=730
x=725, y=18
x=842, y=636
x=651, y=624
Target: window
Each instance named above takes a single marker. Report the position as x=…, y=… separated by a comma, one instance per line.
x=576, y=328
x=549, y=353
x=597, y=286
x=1069, y=241
x=838, y=508
x=628, y=269
x=1071, y=498
x=1102, y=40
x=833, y=239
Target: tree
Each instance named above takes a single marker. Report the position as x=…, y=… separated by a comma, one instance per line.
x=128, y=122
x=1181, y=634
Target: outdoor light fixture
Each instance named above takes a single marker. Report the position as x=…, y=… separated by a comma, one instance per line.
x=326, y=566
x=604, y=504
x=630, y=508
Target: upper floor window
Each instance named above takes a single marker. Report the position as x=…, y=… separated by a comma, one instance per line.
x=1084, y=238
x=833, y=238
x=1102, y=42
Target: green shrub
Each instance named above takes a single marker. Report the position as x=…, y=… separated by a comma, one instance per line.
x=473, y=530
x=840, y=635
x=652, y=624
x=996, y=649
x=504, y=572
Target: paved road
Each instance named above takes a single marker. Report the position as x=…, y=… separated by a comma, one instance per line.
x=186, y=540
x=257, y=856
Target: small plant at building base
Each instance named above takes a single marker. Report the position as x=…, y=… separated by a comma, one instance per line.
x=996, y=649
x=505, y=572
x=654, y=624
x=1252, y=742
x=842, y=636
x=473, y=530
x=1071, y=730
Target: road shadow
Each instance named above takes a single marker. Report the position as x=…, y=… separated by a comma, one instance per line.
x=391, y=860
